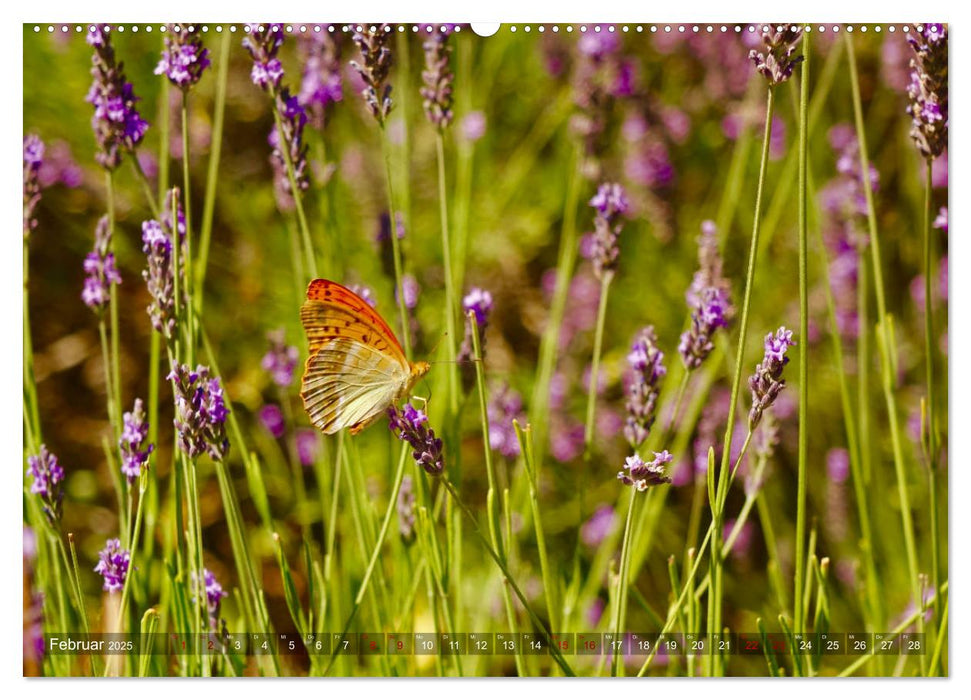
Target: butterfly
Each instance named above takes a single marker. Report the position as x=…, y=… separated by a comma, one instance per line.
x=356, y=368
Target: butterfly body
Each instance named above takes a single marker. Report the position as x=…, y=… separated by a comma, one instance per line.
x=356, y=368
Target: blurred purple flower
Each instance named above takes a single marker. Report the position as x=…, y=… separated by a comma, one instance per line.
x=214, y=594
x=436, y=90
x=321, y=85
x=838, y=464
x=411, y=425
x=599, y=526
x=566, y=440
x=646, y=370
x=200, y=412
x=113, y=565
x=472, y=126
x=263, y=44
x=118, y=127
x=611, y=204
x=478, y=302
x=641, y=475
x=743, y=542
x=184, y=58
x=505, y=405
x=281, y=359
x=33, y=159
x=100, y=270
x=60, y=167
x=293, y=119
x=134, y=445
x=271, y=418
x=410, y=289
x=374, y=69
x=308, y=446
x=941, y=220
x=365, y=293
x=767, y=381
x=928, y=88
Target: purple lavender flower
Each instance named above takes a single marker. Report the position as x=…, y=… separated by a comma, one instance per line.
x=611, y=204
x=406, y=509
x=160, y=274
x=566, y=440
x=374, y=68
x=838, y=464
x=293, y=119
x=214, y=594
x=184, y=58
x=646, y=363
x=308, y=446
x=200, y=412
x=281, y=359
x=59, y=166
x=99, y=266
x=594, y=82
x=436, y=91
x=472, y=126
x=118, y=127
x=263, y=44
x=271, y=417
x=767, y=381
x=321, y=84
x=599, y=526
x=505, y=406
x=134, y=444
x=707, y=317
x=709, y=273
x=113, y=565
x=641, y=474
x=479, y=303
x=411, y=425
x=47, y=475
x=928, y=89
x=778, y=62
x=33, y=159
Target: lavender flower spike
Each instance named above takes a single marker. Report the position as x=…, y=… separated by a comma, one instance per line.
x=99, y=266
x=184, y=58
x=118, y=127
x=709, y=301
x=214, y=594
x=928, y=89
x=778, y=62
x=406, y=509
x=33, y=159
x=374, y=68
x=263, y=44
x=200, y=412
x=641, y=475
x=160, y=274
x=411, y=425
x=767, y=382
x=113, y=565
x=479, y=303
x=293, y=119
x=134, y=444
x=646, y=363
x=611, y=204
x=47, y=475
x=321, y=84
x=437, y=89
x=505, y=406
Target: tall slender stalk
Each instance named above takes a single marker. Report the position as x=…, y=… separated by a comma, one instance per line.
x=551, y=334
x=212, y=176
x=620, y=598
x=452, y=368
x=595, y=365
x=799, y=615
x=884, y=337
x=395, y=245
x=714, y=598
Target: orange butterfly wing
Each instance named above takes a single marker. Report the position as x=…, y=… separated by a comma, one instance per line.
x=356, y=366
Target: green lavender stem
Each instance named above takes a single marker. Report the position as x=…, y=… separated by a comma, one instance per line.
x=453, y=372
x=212, y=176
x=799, y=615
x=595, y=365
x=931, y=427
x=620, y=598
x=189, y=330
x=308, y=248
x=714, y=601
x=395, y=245
x=551, y=334
x=884, y=337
